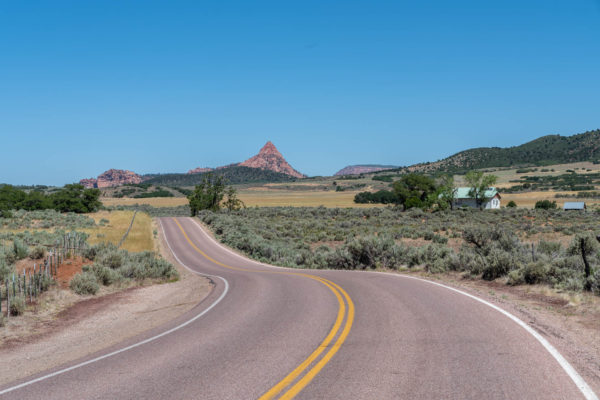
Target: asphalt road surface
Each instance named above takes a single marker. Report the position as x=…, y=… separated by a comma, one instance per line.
x=267, y=332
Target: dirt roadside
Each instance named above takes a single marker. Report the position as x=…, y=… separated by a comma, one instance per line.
x=70, y=327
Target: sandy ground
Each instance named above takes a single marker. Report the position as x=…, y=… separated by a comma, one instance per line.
x=67, y=327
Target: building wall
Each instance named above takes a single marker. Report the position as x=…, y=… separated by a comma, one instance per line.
x=494, y=203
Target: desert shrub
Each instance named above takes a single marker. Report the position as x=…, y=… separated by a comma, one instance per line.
x=535, y=272
x=511, y=204
x=20, y=249
x=104, y=275
x=498, y=263
x=439, y=239
x=17, y=305
x=37, y=252
x=84, y=283
x=549, y=248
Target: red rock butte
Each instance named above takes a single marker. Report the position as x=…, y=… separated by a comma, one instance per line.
x=270, y=158
x=112, y=177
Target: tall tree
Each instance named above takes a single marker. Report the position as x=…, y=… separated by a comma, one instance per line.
x=208, y=194
x=446, y=193
x=232, y=202
x=415, y=190
x=479, y=184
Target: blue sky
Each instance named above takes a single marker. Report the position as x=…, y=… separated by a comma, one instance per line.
x=168, y=86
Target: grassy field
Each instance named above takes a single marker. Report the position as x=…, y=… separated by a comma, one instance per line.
x=153, y=201
x=261, y=197
x=528, y=199
x=139, y=239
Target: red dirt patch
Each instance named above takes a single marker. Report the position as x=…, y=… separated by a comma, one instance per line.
x=66, y=270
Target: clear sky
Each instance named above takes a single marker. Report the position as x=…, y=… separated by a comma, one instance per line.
x=168, y=86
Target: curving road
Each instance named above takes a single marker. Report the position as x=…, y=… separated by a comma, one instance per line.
x=267, y=332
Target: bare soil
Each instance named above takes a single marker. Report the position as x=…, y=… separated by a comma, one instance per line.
x=63, y=326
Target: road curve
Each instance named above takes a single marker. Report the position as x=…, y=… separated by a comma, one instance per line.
x=268, y=332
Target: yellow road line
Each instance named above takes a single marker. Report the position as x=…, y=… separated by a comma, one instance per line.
x=296, y=372
x=301, y=384
x=289, y=379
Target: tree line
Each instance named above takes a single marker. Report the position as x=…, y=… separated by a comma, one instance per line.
x=71, y=198
x=425, y=192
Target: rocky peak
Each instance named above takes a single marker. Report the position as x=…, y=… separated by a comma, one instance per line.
x=112, y=177
x=271, y=159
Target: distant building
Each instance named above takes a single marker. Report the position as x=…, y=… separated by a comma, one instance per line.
x=574, y=206
x=463, y=199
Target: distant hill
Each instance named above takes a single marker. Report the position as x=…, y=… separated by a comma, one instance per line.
x=233, y=175
x=546, y=150
x=363, y=169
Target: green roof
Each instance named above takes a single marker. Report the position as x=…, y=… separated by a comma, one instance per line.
x=463, y=193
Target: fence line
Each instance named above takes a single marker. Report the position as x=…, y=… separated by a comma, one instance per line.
x=128, y=230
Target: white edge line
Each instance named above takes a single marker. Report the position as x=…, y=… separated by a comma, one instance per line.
x=62, y=371
x=585, y=389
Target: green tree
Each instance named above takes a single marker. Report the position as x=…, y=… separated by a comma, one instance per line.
x=479, y=184
x=232, y=202
x=511, y=204
x=446, y=193
x=415, y=190
x=76, y=198
x=208, y=194
x=545, y=205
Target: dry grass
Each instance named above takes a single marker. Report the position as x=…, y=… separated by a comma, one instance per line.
x=153, y=201
x=261, y=197
x=139, y=239
x=528, y=199
x=295, y=198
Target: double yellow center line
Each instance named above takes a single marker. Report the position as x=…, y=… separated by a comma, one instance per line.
x=345, y=318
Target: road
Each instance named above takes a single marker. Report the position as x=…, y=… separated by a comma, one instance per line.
x=267, y=332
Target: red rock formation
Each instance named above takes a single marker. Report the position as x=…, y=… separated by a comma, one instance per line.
x=112, y=177
x=271, y=159
x=199, y=170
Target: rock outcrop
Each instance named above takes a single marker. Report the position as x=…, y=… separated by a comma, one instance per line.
x=270, y=158
x=112, y=177
x=199, y=170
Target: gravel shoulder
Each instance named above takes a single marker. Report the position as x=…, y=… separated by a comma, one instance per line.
x=67, y=327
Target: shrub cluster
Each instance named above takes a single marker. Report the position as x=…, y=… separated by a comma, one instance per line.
x=490, y=245
x=112, y=265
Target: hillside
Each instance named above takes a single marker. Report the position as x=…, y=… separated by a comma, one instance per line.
x=546, y=150
x=233, y=175
x=363, y=169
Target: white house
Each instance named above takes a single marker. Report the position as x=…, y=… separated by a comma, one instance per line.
x=463, y=199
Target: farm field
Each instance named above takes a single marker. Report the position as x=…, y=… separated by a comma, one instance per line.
x=528, y=199
x=260, y=197
x=139, y=238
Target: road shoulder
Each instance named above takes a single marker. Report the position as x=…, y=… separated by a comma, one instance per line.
x=89, y=325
